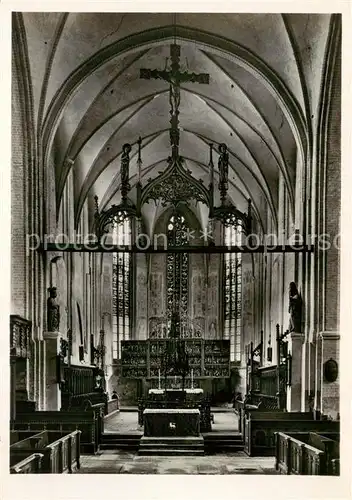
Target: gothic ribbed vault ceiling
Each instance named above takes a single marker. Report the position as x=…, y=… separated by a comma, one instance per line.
x=265, y=78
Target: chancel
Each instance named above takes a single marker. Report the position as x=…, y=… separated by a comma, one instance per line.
x=172, y=180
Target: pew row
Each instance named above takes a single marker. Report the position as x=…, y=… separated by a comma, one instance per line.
x=60, y=452
x=29, y=465
x=16, y=436
x=307, y=453
x=90, y=423
x=260, y=428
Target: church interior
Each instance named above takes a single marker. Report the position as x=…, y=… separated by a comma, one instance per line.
x=175, y=259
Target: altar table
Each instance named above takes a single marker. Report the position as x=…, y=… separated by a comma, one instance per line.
x=171, y=422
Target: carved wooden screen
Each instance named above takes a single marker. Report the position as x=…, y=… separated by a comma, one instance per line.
x=177, y=269
x=121, y=287
x=233, y=291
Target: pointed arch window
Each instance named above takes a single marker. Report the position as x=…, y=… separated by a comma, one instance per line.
x=177, y=268
x=233, y=235
x=121, y=286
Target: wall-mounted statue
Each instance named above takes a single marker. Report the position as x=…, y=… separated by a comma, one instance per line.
x=53, y=311
x=223, y=165
x=295, y=309
x=125, y=170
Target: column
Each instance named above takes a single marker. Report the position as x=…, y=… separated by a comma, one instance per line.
x=295, y=348
x=52, y=389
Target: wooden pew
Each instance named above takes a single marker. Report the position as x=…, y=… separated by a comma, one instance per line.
x=61, y=451
x=79, y=401
x=90, y=422
x=252, y=402
x=16, y=436
x=30, y=465
x=307, y=453
x=260, y=428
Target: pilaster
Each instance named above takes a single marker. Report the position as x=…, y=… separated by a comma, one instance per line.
x=294, y=391
x=51, y=352
x=330, y=389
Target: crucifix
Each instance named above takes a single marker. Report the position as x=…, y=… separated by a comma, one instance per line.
x=175, y=77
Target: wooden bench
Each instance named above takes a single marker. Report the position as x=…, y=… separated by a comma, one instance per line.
x=254, y=401
x=78, y=402
x=260, y=428
x=16, y=436
x=30, y=465
x=60, y=451
x=307, y=453
x=90, y=422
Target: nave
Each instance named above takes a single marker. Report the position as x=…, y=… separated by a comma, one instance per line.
x=174, y=301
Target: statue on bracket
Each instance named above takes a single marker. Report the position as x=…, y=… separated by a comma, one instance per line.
x=53, y=311
x=125, y=174
x=223, y=166
x=295, y=309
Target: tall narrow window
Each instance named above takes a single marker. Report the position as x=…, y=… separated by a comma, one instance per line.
x=177, y=269
x=233, y=292
x=121, y=287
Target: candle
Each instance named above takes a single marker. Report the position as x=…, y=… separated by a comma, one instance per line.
x=192, y=378
x=159, y=379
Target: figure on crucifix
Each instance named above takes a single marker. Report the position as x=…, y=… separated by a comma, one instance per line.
x=174, y=77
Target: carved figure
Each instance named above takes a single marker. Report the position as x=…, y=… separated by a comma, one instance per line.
x=53, y=311
x=125, y=164
x=223, y=164
x=295, y=308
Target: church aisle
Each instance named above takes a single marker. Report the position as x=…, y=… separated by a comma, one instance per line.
x=120, y=462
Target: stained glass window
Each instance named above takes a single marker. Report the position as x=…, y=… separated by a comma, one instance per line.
x=177, y=268
x=121, y=287
x=233, y=291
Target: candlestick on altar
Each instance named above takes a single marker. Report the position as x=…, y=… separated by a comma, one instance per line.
x=159, y=380
x=175, y=380
x=192, y=378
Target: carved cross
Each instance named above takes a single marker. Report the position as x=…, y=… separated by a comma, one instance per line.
x=175, y=77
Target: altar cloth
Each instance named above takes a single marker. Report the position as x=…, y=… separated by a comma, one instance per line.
x=171, y=422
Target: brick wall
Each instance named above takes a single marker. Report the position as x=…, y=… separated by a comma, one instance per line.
x=333, y=205
x=18, y=204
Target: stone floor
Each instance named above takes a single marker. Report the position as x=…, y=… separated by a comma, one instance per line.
x=121, y=462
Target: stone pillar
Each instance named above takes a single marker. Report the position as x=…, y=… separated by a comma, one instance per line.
x=42, y=374
x=330, y=388
x=52, y=389
x=295, y=347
